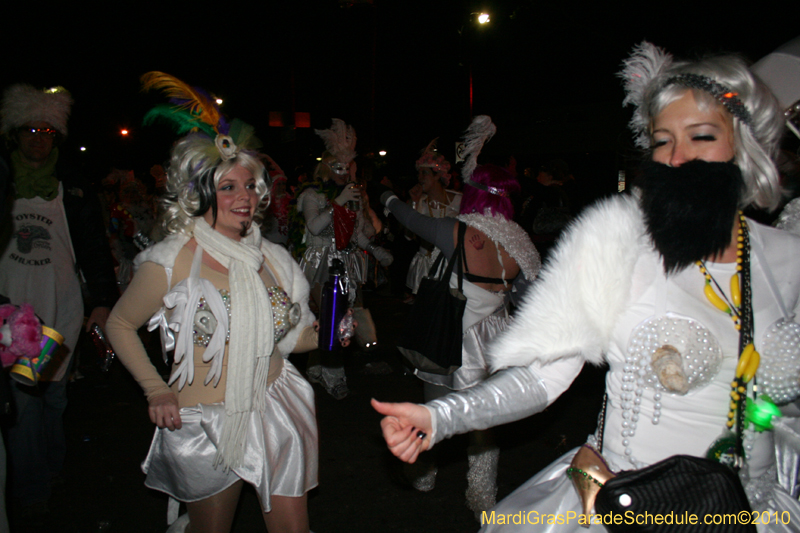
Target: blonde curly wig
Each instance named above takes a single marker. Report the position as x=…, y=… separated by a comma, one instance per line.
x=194, y=172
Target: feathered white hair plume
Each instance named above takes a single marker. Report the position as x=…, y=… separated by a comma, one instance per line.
x=479, y=132
x=23, y=103
x=647, y=61
x=340, y=140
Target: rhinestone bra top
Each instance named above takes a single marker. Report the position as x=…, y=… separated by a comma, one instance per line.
x=285, y=315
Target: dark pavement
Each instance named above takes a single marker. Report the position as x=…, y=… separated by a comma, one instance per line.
x=360, y=485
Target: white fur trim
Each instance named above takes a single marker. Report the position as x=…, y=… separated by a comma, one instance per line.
x=581, y=291
x=163, y=252
x=789, y=219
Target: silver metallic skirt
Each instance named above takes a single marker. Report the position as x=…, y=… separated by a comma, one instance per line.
x=281, y=451
x=317, y=259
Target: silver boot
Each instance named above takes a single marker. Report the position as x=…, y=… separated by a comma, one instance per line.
x=335, y=382
x=421, y=475
x=482, y=479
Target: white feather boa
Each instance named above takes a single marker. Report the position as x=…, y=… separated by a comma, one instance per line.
x=582, y=290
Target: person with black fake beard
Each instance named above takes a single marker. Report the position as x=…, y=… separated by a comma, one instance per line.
x=689, y=303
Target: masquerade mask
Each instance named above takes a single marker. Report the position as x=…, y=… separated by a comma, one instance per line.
x=338, y=168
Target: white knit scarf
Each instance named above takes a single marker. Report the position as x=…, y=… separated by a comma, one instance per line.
x=251, y=334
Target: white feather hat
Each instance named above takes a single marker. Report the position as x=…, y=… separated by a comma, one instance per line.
x=23, y=103
x=340, y=140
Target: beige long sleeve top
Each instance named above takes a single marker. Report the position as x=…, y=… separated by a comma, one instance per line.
x=142, y=299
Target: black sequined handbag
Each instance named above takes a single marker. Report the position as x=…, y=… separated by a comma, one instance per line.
x=680, y=493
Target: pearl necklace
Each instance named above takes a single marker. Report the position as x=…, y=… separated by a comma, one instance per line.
x=687, y=343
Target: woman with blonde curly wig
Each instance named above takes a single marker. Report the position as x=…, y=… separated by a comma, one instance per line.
x=232, y=306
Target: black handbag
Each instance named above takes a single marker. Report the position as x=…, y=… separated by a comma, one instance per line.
x=665, y=496
x=432, y=336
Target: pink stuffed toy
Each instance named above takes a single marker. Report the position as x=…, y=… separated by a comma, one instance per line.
x=20, y=333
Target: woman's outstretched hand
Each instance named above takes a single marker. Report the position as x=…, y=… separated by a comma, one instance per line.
x=406, y=428
x=164, y=411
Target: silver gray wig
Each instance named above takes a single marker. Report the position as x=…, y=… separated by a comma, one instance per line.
x=647, y=76
x=194, y=172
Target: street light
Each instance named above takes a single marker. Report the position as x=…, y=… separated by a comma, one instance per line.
x=482, y=18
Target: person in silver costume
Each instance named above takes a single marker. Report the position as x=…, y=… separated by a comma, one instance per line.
x=324, y=207
x=431, y=198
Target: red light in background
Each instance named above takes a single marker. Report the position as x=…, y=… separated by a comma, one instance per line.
x=275, y=119
x=302, y=120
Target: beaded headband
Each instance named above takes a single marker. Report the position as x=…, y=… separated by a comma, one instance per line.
x=721, y=93
x=487, y=188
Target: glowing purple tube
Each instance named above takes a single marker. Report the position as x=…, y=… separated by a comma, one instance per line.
x=333, y=308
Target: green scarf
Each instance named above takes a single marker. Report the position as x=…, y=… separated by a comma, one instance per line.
x=30, y=182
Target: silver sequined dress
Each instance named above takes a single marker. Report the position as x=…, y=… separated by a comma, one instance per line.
x=321, y=244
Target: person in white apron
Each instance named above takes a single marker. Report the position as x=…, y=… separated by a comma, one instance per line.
x=39, y=264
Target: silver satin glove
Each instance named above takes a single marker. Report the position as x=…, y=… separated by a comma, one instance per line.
x=511, y=394
x=350, y=193
x=383, y=255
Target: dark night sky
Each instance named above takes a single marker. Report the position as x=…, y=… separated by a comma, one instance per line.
x=543, y=70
